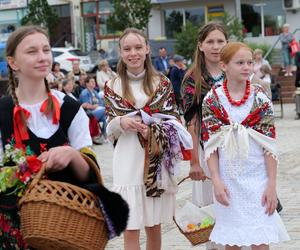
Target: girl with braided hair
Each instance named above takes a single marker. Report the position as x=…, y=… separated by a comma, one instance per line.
x=51, y=123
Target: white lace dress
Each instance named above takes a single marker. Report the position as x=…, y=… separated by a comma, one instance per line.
x=244, y=221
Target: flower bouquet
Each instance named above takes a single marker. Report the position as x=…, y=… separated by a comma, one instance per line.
x=17, y=169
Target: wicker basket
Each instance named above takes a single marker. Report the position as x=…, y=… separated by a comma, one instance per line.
x=198, y=236
x=61, y=216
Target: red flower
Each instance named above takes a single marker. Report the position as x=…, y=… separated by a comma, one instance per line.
x=4, y=224
x=34, y=164
x=25, y=177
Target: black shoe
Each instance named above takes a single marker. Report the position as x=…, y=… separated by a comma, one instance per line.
x=279, y=206
x=97, y=141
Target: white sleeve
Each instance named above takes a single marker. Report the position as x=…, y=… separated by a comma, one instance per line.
x=79, y=132
x=114, y=129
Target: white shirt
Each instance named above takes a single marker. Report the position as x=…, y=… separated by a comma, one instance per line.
x=42, y=126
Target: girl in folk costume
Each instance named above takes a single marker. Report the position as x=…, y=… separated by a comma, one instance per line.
x=148, y=137
x=50, y=123
x=203, y=74
x=240, y=149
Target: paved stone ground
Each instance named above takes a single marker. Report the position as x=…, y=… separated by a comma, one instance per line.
x=288, y=131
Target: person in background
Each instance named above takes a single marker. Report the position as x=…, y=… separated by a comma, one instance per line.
x=103, y=54
x=93, y=103
x=68, y=87
x=76, y=71
x=297, y=62
x=161, y=63
x=259, y=62
x=80, y=86
x=177, y=73
x=104, y=74
x=55, y=77
x=286, y=37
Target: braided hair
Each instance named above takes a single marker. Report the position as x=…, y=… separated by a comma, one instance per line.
x=12, y=43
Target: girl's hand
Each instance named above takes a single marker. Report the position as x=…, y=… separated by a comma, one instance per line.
x=57, y=158
x=129, y=124
x=143, y=129
x=269, y=199
x=196, y=172
x=221, y=192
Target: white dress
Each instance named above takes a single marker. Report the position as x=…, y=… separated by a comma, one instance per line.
x=244, y=221
x=128, y=169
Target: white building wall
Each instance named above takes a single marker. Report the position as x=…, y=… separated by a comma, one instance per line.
x=155, y=24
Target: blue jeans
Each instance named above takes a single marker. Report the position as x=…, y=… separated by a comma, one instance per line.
x=99, y=114
x=287, y=60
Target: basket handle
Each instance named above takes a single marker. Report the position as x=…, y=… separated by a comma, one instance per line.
x=89, y=161
x=38, y=176
x=94, y=167
x=188, y=177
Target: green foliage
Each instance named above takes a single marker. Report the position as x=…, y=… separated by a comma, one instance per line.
x=264, y=47
x=130, y=13
x=40, y=13
x=186, y=40
x=233, y=26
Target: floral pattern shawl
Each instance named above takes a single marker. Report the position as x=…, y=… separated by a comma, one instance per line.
x=217, y=128
x=162, y=102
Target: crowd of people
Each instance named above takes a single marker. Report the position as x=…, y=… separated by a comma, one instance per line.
x=228, y=133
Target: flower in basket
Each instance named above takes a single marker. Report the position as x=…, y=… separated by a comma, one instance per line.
x=17, y=169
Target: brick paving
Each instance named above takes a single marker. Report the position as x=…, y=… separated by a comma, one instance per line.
x=288, y=131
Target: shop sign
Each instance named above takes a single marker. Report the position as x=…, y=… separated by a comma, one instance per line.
x=12, y=4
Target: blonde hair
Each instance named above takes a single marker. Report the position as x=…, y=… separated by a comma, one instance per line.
x=198, y=67
x=150, y=74
x=257, y=52
x=230, y=49
x=102, y=63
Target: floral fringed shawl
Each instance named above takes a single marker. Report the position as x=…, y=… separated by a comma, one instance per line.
x=219, y=131
x=161, y=115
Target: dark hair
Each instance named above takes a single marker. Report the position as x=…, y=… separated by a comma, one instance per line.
x=54, y=64
x=150, y=71
x=13, y=41
x=199, y=67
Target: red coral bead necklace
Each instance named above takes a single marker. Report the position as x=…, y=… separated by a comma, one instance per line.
x=240, y=102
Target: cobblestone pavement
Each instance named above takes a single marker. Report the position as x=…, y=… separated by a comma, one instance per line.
x=288, y=134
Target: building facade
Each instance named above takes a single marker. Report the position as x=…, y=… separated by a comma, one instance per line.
x=83, y=23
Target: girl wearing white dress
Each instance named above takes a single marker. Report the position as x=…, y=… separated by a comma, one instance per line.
x=145, y=129
x=240, y=149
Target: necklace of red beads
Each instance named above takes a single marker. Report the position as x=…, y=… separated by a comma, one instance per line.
x=240, y=102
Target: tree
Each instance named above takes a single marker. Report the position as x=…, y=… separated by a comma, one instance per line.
x=186, y=40
x=130, y=13
x=234, y=27
x=40, y=13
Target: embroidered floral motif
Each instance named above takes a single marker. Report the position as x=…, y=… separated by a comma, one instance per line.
x=260, y=117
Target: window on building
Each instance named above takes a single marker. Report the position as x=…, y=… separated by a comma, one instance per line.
x=106, y=6
x=176, y=18
x=104, y=28
x=62, y=10
x=89, y=8
x=274, y=17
